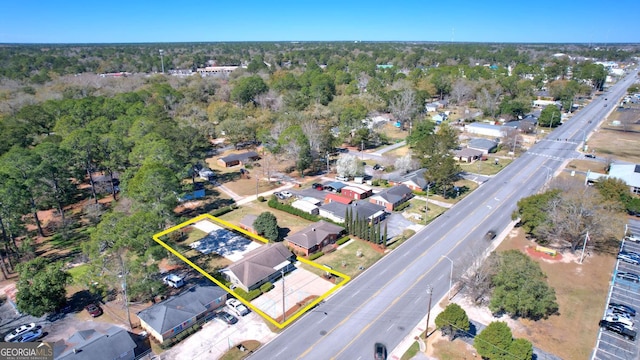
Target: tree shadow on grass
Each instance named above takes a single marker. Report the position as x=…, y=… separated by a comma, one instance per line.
x=283, y=232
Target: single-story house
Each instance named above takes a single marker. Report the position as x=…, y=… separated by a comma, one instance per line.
x=247, y=221
x=105, y=183
x=439, y=118
x=496, y=131
x=362, y=209
x=334, y=211
x=110, y=344
x=484, y=145
x=337, y=198
x=260, y=266
x=206, y=174
x=314, y=237
x=238, y=159
x=629, y=173
x=312, y=200
x=431, y=107
x=467, y=155
x=414, y=180
x=356, y=192
x=170, y=317
x=392, y=197
x=334, y=186
x=305, y=206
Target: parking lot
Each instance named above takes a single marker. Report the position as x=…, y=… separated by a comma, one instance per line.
x=611, y=345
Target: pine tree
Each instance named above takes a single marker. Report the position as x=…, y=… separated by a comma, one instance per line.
x=347, y=221
x=384, y=237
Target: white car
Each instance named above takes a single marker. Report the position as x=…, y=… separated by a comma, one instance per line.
x=237, y=307
x=19, y=331
x=620, y=319
x=31, y=335
x=632, y=237
x=286, y=194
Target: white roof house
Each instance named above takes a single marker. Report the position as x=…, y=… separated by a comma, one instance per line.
x=629, y=173
x=306, y=207
x=485, y=129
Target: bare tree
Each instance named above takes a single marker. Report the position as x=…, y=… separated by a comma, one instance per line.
x=348, y=165
x=461, y=91
x=363, y=81
x=512, y=139
x=313, y=132
x=579, y=210
x=403, y=106
x=406, y=163
x=488, y=100
x=270, y=100
x=476, y=280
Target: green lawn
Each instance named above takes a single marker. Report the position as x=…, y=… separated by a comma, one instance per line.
x=417, y=207
x=488, y=167
x=346, y=260
x=78, y=272
x=287, y=222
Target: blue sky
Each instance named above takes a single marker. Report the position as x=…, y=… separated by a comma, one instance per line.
x=118, y=21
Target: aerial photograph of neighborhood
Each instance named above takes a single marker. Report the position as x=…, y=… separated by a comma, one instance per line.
x=341, y=180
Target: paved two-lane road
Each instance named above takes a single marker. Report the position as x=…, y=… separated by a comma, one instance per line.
x=384, y=303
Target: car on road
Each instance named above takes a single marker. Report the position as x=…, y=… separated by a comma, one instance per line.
x=279, y=195
x=622, y=308
x=31, y=335
x=226, y=317
x=286, y=194
x=618, y=328
x=379, y=351
x=628, y=323
x=93, y=310
x=19, y=331
x=237, y=307
x=490, y=235
x=628, y=258
x=629, y=276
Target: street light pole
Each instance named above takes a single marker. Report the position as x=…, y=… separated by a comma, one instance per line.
x=284, y=308
x=450, y=275
x=426, y=205
x=162, y=59
x=426, y=332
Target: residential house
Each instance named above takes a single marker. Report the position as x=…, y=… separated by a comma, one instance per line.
x=238, y=159
x=170, y=317
x=113, y=343
x=312, y=200
x=439, y=118
x=356, y=192
x=414, y=180
x=306, y=206
x=247, y=221
x=629, y=173
x=337, y=198
x=392, y=197
x=467, y=155
x=261, y=265
x=107, y=182
x=484, y=145
x=334, y=211
x=476, y=128
x=431, y=107
x=337, y=212
x=314, y=237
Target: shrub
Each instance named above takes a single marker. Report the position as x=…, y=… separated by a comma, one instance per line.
x=274, y=203
x=261, y=198
x=403, y=206
x=343, y=240
x=315, y=255
x=248, y=295
x=223, y=210
x=266, y=287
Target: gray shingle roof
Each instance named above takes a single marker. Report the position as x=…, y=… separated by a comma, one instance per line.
x=178, y=309
x=314, y=234
x=482, y=144
x=259, y=263
x=364, y=209
x=394, y=194
x=95, y=345
x=416, y=177
x=240, y=157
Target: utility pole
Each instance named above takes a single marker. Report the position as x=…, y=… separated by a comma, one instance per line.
x=124, y=291
x=362, y=150
x=328, y=169
x=426, y=332
x=586, y=238
x=284, y=308
x=162, y=59
x=426, y=204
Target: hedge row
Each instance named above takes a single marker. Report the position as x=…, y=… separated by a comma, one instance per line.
x=315, y=255
x=223, y=210
x=248, y=295
x=403, y=206
x=274, y=203
x=343, y=240
x=266, y=287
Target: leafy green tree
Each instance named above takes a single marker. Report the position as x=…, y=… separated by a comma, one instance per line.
x=520, y=287
x=153, y=186
x=521, y=349
x=434, y=152
x=54, y=176
x=246, y=89
x=452, y=320
x=41, y=287
x=322, y=89
x=532, y=210
x=614, y=189
x=515, y=107
x=494, y=341
x=550, y=116
x=266, y=225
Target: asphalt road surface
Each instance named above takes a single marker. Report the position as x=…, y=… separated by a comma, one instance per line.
x=386, y=302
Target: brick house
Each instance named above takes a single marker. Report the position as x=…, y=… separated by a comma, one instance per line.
x=238, y=159
x=314, y=237
x=392, y=197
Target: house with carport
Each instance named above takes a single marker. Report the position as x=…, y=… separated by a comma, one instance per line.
x=172, y=316
x=314, y=237
x=363, y=209
x=238, y=159
x=392, y=197
x=261, y=265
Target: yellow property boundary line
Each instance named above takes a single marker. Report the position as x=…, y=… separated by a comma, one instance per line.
x=214, y=219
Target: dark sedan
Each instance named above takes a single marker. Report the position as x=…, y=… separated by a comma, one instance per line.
x=228, y=318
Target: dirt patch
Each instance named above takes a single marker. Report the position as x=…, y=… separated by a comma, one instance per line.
x=618, y=142
x=532, y=252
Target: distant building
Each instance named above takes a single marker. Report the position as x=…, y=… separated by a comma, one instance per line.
x=216, y=70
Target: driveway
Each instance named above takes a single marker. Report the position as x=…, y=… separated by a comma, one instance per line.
x=222, y=242
x=216, y=338
x=396, y=224
x=299, y=285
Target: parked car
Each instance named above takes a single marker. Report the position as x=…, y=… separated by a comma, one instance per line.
x=490, y=235
x=618, y=328
x=379, y=351
x=31, y=335
x=631, y=253
x=93, y=310
x=590, y=156
x=317, y=186
x=632, y=237
x=19, y=331
x=611, y=312
x=342, y=178
x=286, y=194
x=628, y=259
x=226, y=317
x=620, y=319
x=622, y=308
x=378, y=167
x=237, y=307
x=279, y=195
x=624, y=275
x=173, y=280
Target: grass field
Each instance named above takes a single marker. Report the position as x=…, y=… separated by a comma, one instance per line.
x=487, y=167
x=618, y=142
x=417, y=207
x=288, y=223
x=347, y=261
